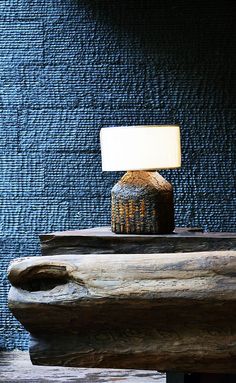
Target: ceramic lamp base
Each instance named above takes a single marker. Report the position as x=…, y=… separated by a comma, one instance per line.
x=142, y=203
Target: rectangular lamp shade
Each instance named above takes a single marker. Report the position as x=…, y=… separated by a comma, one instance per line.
x=150, y=147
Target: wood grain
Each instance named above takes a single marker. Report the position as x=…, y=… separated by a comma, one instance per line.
x=152, y=311
x=102, y=240
x=16, y=367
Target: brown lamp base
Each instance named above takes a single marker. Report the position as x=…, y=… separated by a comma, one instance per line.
x=142, y=203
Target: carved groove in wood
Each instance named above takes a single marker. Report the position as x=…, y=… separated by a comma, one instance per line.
x=149, y=311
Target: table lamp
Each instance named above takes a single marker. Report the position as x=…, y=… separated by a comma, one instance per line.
x=142, y=200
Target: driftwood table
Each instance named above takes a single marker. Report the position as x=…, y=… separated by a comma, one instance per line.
x=97, y=299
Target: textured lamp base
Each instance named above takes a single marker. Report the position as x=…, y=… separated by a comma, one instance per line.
x=142, y=203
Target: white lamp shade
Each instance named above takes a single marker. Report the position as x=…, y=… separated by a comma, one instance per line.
x=148, y=147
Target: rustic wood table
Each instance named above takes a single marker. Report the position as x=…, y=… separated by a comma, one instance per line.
x=164, y=302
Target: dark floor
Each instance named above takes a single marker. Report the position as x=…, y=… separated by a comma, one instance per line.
x=16, y=367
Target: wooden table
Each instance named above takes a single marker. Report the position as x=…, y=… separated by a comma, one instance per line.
x=97, y=299
x=16, y=367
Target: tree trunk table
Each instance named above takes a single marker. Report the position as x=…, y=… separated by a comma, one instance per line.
x=97, y=299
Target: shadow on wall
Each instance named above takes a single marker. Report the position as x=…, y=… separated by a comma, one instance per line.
x=180, y=39
x=184, y=53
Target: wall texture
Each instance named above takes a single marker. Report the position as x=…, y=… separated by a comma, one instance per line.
x=69, y=67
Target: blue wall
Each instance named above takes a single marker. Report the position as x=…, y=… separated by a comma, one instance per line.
x=70, y=67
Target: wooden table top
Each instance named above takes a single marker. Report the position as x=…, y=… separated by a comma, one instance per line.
x=103, y=240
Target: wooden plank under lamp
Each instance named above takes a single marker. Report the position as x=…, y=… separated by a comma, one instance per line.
x=142, y=200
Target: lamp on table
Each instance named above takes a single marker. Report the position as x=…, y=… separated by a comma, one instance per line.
x=142, y=200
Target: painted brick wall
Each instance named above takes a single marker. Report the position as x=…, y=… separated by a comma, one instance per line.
x=69, y=67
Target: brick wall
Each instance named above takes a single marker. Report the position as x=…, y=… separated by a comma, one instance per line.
x=69, y=67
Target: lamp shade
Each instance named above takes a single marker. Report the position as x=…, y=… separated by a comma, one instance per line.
x=148, y=147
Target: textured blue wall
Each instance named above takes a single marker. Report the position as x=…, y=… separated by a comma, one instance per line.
x=70, y=67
